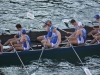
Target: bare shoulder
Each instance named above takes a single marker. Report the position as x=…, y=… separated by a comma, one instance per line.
x=59, y=34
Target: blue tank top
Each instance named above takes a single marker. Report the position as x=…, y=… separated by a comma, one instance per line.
x=54, y=38
x=49, y=34
x=84, y=34
x=20, y=33
x=27, y=43
x=76, y=28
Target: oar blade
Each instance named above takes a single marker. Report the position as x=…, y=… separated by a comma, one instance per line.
x=31, y=16
x=66, y=22
x=87, y=71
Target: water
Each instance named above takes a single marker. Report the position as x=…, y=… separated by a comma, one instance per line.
x=55, y=67
x=14, y=11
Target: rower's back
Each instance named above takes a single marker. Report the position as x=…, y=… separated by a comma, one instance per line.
x=84, y=34
x=20, y=33
x=27, y=43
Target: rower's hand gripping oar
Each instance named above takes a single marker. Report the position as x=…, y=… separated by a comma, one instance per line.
x=86, y=70
x=95, y=38
x=20, y=60
x=43, y=48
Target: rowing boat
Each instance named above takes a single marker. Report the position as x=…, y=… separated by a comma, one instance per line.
x=52, y=53
x=55, y=53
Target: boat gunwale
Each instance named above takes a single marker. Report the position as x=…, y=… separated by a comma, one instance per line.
x=36, y=50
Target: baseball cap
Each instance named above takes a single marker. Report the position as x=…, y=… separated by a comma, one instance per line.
x=46, y=23
x=96, y=16
x=79, y=24
x=23, y=31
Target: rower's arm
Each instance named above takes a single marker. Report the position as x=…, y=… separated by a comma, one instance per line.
x=76, y=35
x=15, y=36
x=23, y=39
x=98, y=28
x=44, y=26
x=59, y=38
x=70, y=33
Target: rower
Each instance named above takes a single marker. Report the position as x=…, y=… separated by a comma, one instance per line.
x=79, y=37
x=17, y=36
x=24, y=44
x=75, y=24
x=48, y=25
x=55, y=40
x=96, y=31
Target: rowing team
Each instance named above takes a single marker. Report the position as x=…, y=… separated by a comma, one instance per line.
x=22, y=42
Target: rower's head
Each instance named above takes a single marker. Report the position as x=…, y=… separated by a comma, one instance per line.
x=80, y=25
x=19, y=27
x=97, y=17
x=48, y=23
x=23, y=31
x=53, y=29
x=73, y=22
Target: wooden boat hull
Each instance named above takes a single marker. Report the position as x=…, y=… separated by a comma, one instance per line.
x=57, y=53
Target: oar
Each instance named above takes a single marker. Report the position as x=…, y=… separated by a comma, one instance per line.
x=66, y=22
x=43, y=48
x=20, y=60
x=86, y=70
x=29, y=15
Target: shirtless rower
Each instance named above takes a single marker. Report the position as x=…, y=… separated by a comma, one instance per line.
x=24, y=43
x=96, y=31
x=79, y=37
x=55, y=40
x=19, y=28
x=48, y=25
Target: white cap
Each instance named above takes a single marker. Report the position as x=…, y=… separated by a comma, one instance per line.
x=79, y=24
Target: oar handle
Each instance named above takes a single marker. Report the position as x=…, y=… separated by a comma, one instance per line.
x=62, y=30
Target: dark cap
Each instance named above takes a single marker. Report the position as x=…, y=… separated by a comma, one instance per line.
x=96, y=16
x=23, y=31
x=46, y=23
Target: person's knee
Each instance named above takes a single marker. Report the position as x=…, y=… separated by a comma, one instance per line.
x=38, y=38
x=49, y=45
x=10, y=40
x=0, y=45
x=14, y=45
x=42, y=41
x=16, y=48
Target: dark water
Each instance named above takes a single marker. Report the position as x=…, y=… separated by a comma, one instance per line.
x=55, y=67
x=14, y=11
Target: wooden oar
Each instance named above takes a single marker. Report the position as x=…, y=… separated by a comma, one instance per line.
x=43, y=48
x=86, y=70
x=20, y=60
